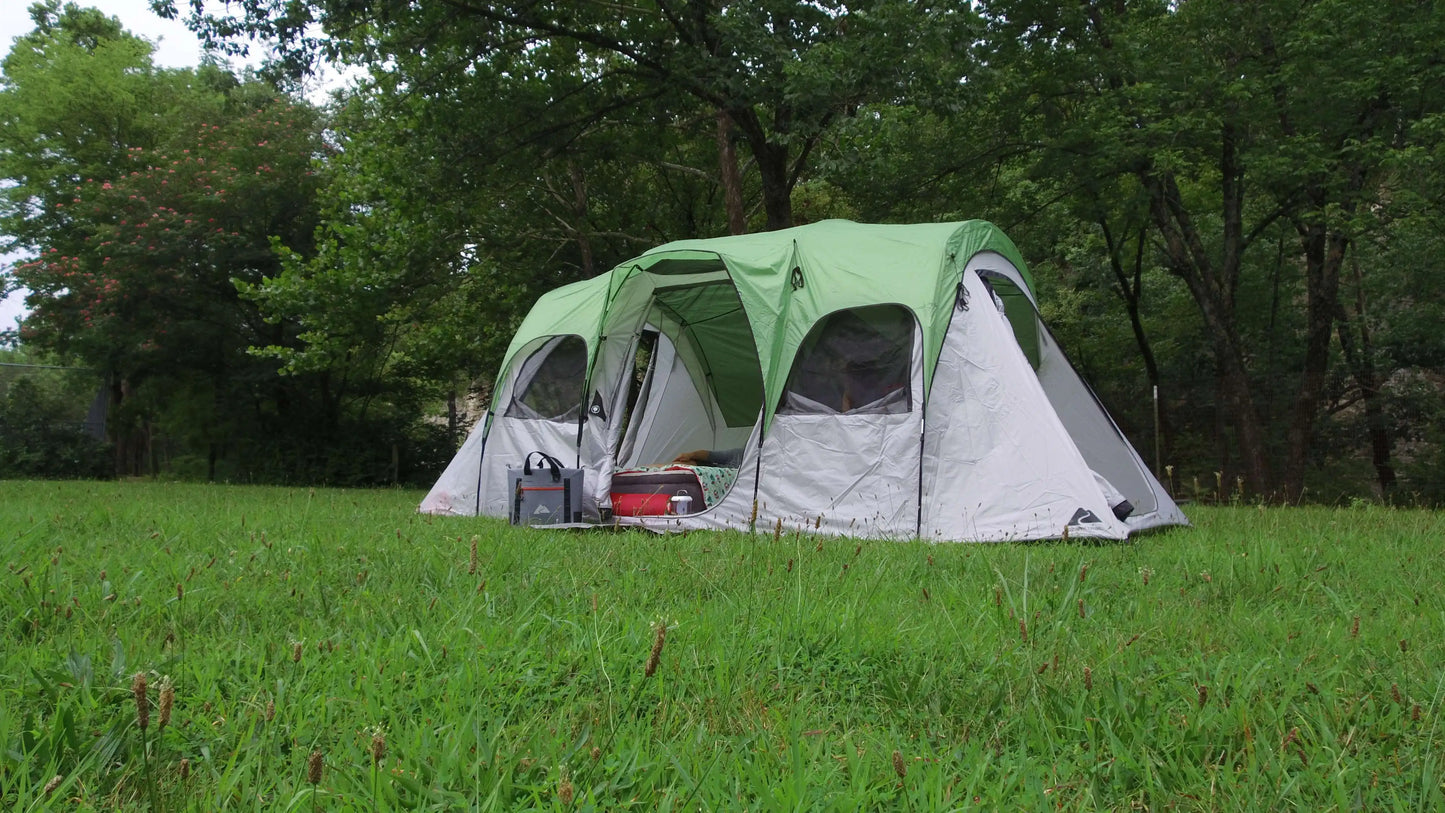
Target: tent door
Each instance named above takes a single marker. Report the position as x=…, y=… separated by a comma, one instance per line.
x=843, y=450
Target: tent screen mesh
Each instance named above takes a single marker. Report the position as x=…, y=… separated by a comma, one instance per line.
x=549, y=382
x=853, y=362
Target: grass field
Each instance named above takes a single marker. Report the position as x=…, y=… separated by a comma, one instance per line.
x=1265, y=659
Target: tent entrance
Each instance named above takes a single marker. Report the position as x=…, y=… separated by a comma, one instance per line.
x=678, y=370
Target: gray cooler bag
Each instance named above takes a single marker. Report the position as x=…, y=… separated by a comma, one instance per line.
x=546, y=495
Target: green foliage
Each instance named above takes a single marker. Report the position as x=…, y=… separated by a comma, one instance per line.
x=43, y=432
x=168, y=236
x=1265, y=659
x=1237, y=203
x=147, y=230
x=1206, y=198
x=77, y=94
x=780, y=72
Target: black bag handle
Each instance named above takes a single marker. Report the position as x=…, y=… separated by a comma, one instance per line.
x=546, y=459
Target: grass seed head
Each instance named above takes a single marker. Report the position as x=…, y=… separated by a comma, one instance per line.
x=898, y=766
x=1355, y=627
x=295, y=651
x=270, y=710
x=1404, y=645
x=168, y=699
x=53, y=784
x=1415, y=712
x=596, y=753
x=1395, y=694
x=565, y=790
x=656, y=653
x=378, y=747
x=1088, y=679
x=142, y=701
x=472, y=566
x=185, y=769
x=180, y=591
x=1203, y=695
x=313, y=767
x=1081, y=608
x=1024, y=630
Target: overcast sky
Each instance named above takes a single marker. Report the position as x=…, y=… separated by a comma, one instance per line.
x=176, y=47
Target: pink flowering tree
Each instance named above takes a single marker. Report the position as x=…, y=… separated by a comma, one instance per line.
x=152, y=286
x=143, y=198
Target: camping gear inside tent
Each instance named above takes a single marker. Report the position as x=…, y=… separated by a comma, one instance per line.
x=890, y=381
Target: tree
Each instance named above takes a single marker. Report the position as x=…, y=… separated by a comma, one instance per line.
x=1290, y=121
x=77, y=93
x=780, y=72
x=442, y=226
x=145, y=219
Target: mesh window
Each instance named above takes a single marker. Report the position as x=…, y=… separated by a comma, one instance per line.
x=549, y=382
x=853, y=362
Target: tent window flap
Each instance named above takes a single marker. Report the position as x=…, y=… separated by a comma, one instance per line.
x=549, y=382
x=853, y=362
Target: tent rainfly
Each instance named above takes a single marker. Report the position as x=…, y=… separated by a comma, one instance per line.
x=888, y=381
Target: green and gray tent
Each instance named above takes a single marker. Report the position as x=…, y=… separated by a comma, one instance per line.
x=888, y=381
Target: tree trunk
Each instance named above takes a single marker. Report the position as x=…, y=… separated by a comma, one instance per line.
x=1131, y=292
x=1360, y=360
x=579, y=215
x=1212, y=290
x=118, y=435
x=732, y=182
x=772, y=161
x=1324, y=253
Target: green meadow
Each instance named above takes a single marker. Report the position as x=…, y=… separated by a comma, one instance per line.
x=333, y=650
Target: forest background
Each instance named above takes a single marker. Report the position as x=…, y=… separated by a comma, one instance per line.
x=1237, y=205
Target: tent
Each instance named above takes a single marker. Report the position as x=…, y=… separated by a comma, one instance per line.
x=888, y=381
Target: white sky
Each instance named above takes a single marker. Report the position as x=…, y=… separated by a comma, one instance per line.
x=176, y=47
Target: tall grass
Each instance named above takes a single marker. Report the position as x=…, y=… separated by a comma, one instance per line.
x=1263, y=659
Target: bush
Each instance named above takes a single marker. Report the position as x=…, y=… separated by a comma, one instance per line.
x=37, y=440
